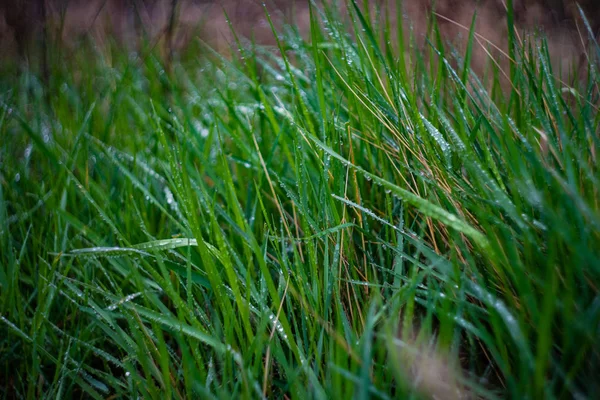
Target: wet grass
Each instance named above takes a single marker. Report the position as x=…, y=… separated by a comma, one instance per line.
x=351, y=219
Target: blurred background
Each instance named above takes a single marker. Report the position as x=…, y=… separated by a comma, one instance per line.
x=27, y=27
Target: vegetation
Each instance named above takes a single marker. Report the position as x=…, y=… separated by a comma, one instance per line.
x=343, y=216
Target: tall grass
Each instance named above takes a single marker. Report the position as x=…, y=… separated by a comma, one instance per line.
x=342, y=216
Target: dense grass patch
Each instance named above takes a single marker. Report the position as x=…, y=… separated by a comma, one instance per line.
x=352, y=217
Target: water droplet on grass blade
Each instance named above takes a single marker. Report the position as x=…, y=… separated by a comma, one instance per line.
x=28, y=150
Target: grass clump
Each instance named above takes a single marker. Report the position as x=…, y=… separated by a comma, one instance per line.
x=338, y=217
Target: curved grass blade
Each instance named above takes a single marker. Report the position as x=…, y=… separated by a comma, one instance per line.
x=425, y=207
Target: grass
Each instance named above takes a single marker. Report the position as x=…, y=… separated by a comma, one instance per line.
x=345, y=216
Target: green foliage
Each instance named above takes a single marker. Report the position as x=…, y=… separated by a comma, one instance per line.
x=336, y=217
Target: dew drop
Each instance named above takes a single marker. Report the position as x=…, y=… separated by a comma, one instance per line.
x=28, y=150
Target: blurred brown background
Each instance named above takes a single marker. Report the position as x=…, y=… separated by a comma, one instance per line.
x=127, y=21
x=178, y=21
